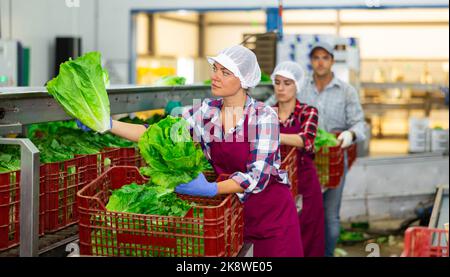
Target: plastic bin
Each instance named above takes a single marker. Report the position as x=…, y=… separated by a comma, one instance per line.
x=329, y=162
x=101, y=162
x=425, y=242
x=62, y=182
x=10, y=208
x=130, y=157
x=213, y=228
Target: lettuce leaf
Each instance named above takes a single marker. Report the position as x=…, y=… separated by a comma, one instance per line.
x=172, y=157
x=80, y=88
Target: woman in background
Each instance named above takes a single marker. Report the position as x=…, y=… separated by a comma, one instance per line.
x=298, y=128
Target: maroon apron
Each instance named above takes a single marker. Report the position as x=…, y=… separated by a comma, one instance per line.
x=270, y=217
x=311, y=218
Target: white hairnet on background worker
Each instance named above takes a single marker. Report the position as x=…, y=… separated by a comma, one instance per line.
x=290, y=70
x=242, y=63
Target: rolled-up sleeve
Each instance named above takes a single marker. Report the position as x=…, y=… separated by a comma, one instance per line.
x=355, y=114
x=309, y=122
x=264, y=158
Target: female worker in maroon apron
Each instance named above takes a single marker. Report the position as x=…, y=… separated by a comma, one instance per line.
x=241, y=137
x=298, y=127
x=247, y=150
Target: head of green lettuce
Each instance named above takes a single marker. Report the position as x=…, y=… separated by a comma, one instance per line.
x=80, y=88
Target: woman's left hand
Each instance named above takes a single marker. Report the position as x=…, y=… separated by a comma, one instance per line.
x=198, y=187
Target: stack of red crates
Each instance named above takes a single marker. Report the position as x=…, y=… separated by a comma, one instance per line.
x=10, y=208
x=59, y=184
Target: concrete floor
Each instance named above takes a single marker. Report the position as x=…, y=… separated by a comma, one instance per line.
x=388, y=246
x=393, y=248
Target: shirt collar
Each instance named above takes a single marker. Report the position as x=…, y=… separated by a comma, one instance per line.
x=335, y=82
x=293, y=115
x=216, y=106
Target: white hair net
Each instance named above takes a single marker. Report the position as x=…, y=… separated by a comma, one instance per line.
x=242, y=63
x=290, y=70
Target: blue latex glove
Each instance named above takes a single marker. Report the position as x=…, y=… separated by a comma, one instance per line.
x=82, y=126
x=198, y=187
x=86, y=128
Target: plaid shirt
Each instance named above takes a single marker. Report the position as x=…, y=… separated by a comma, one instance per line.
x=263, y=135
x=308, y=117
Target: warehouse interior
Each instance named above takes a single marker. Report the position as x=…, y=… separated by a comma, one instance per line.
x=394, y=53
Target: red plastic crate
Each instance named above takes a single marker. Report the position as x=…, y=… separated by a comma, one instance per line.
x=425, y=242
x=62, y=182
x=10, y=208
x=101, y=162
x=130, y=157
x=214, y=228
x=351, y=154
x=329, y=163
x=65, y=179
x=289, y=163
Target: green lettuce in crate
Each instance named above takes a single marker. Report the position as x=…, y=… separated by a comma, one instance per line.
x=80, y=88
x=172, y=156
x=147, y=199
x=62, y=140
x=151, y=200
x=324, y=139
x=9, y=158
